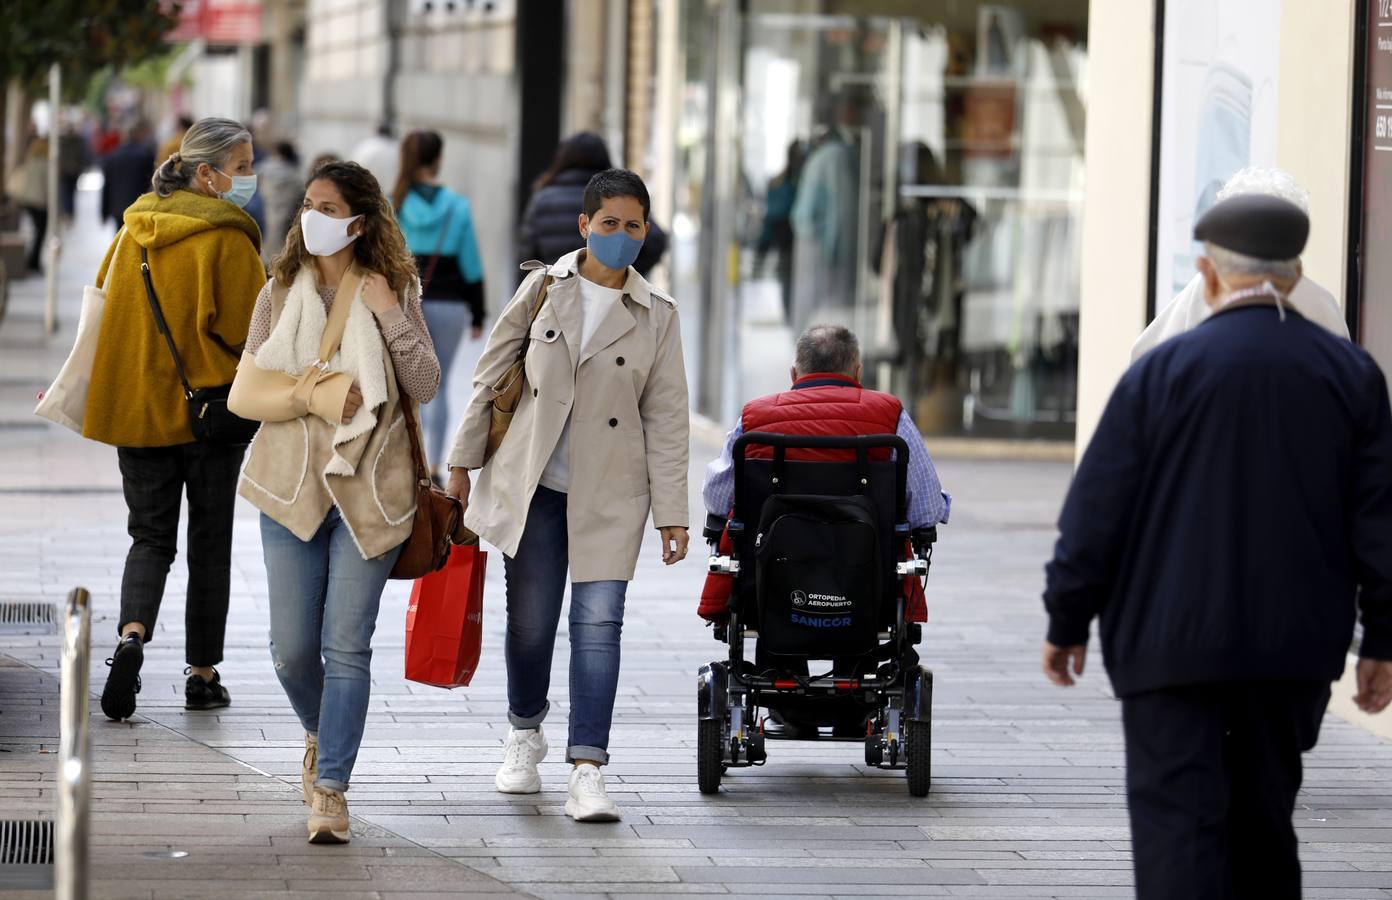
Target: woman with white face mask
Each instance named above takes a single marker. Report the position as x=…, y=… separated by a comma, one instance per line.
x=332, y=472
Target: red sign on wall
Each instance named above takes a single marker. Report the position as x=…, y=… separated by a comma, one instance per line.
x=219, y=21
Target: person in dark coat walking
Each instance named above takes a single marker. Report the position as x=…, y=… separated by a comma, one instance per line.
x=126, y=172
x=1231, y=513
x=550, y=223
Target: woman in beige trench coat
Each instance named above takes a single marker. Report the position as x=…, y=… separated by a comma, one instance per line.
x=599, y=438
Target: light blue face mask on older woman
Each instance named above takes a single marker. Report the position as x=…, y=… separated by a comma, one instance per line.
x=242, y=190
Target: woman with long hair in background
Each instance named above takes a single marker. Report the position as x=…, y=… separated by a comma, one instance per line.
x=439, y=229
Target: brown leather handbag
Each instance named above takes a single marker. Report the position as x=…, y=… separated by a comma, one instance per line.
x=507, y=390
x=438, y=515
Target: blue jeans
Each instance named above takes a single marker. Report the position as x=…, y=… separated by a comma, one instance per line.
x=536, y=579
x=447, y=321
x=324, y=600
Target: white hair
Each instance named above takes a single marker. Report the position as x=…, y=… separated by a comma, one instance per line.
x=1230, y=262
x=1272, y=182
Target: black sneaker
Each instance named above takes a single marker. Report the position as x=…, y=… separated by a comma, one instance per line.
x=202, y=693
x=123, y=681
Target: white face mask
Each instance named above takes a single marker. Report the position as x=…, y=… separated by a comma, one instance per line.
x=325, y=235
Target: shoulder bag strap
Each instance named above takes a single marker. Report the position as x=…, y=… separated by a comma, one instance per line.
x=348, y=288
x=435, y=258
x=536, y=311
x=159, y=320
x=413, y=431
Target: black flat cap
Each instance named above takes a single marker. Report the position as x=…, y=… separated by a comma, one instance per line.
x=1256, y=225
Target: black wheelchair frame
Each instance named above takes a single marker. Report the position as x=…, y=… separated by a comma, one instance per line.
x=898, y=697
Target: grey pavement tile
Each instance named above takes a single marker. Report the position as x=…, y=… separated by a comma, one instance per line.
x=846, y=875
x=1037, y=892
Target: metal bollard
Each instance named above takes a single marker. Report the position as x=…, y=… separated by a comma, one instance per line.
x=74, y=761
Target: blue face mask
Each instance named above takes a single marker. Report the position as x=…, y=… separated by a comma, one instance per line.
x=614, y=251
x=243, y=188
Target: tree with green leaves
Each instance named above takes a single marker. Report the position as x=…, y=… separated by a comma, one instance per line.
x=81, y=36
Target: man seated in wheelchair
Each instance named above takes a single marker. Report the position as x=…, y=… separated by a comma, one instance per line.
x=819, y=546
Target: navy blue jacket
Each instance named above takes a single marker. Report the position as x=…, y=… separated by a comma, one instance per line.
x=1235, y=497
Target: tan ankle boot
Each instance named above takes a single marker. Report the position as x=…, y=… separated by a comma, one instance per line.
x=328, y=817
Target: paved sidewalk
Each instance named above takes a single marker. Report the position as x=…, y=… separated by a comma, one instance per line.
x=1027, y=800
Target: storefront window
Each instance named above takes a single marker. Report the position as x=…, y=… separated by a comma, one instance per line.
x=918, y=178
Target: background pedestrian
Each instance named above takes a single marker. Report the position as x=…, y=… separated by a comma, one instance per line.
x=439, y=228
x=126, y=171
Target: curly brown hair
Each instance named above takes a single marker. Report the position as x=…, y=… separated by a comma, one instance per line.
x=380, y=248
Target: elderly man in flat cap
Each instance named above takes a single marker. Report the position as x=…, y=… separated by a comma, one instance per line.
x=1231, y=515
x=1189, y=307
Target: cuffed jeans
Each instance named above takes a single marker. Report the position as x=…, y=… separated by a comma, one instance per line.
x=324, y=601
x=536, y=579
x=154, y=480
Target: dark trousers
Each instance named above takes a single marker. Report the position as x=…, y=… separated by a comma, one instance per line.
x=39, y=216
x=154, y=480
x=1211, y=776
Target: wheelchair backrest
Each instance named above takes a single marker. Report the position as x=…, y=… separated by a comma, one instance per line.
x=881, y=481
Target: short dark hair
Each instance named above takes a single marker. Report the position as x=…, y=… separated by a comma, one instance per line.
x=827, y=348
x=615, y=183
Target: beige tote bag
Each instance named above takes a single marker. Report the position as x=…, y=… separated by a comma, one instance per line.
x=65, y=401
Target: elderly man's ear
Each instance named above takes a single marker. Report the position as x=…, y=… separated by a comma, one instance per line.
x=1213, y=288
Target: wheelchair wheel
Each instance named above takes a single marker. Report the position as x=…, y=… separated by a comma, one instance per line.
x=874, y=751
x=918, y=736
x=709, y=753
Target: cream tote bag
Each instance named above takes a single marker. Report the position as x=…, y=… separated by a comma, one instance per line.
x=65, y=402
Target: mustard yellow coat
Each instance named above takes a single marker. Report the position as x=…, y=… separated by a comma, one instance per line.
x=206, y=264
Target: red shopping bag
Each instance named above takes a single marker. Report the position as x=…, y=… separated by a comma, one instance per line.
x=444, y=623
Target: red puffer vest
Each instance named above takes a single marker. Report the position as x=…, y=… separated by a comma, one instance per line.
x=826, y=404
x=822, y=404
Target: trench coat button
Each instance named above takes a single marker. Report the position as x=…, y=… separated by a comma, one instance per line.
x=550, y=335
x=613, y=423
x=620, y=360
x=535, y=392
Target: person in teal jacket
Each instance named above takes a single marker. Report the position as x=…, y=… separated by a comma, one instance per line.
x=439, y=229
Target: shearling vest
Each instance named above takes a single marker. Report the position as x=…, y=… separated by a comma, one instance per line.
x=284, y=476
x=821, y=404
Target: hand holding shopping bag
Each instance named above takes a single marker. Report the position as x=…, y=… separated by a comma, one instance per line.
x=444, y=623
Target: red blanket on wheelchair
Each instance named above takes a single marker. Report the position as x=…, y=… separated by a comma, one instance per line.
x=715, y=596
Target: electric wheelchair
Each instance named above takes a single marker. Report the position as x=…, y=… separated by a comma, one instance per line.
x=821, y=563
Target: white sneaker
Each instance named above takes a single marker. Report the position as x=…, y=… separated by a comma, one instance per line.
x=522, y=751
x=588, y=800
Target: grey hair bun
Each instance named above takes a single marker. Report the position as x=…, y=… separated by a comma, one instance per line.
x=208, y=141
x=171, y=176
